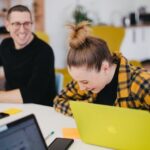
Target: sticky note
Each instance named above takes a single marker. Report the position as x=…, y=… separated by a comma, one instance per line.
x=71, y=133
x=12, y=111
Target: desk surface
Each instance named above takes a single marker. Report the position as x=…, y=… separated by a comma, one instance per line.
x=49, y=120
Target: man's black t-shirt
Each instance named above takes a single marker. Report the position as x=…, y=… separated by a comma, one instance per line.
x=31, y=69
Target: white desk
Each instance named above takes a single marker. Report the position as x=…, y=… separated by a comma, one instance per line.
x=49, y=120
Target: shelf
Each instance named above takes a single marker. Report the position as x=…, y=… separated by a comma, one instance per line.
x=139, y=25
x=6, y=5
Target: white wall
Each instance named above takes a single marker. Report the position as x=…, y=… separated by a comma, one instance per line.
x=103, y=11
x=57, y=14
x=136, y=43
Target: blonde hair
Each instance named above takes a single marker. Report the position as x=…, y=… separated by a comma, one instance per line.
x=84, y=49
x=78, y=34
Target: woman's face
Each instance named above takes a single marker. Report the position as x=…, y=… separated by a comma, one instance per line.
x=90, y=80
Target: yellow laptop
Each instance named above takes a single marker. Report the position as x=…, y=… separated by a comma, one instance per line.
x=112, y=127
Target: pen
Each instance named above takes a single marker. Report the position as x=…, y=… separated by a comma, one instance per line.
x=51, y=133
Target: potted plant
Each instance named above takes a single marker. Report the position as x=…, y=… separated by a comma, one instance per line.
x=80, y=14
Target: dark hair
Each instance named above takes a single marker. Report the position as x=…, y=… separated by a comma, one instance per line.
x=18, y=8
x=86, y=50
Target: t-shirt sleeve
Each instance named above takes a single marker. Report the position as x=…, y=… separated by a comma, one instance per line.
x=41, y=87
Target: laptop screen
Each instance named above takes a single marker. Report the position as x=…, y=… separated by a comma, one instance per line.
x=23, y=134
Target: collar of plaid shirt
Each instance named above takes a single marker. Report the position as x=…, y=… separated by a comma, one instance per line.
x=123, y=77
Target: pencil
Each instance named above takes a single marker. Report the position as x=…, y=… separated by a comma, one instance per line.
x=51, y=133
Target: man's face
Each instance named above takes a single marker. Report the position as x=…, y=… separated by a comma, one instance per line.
x=19, y=25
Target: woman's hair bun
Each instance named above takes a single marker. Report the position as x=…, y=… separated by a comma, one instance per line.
x=78, y=34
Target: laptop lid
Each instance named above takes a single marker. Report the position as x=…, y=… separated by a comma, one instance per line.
x=113, y=127
x=22, y=134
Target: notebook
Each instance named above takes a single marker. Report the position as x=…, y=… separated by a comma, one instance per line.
x=22, y=134
x=112, y=127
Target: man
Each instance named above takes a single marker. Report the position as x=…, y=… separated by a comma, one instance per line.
x=28, y=62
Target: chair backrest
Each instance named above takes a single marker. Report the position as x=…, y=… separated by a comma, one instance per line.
x=136, y=63
x=67, y=77
x=43, y=36
x=112, y=35
x=59, y=79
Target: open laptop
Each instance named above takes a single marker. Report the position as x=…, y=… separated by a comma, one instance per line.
x=25, y=134
x=22, y=134
x=113, y=127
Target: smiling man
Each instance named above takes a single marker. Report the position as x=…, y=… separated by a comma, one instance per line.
x=28, y=62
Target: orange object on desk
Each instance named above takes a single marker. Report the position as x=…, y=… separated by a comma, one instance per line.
x=71, y=133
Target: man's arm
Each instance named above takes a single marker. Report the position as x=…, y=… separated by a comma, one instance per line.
x=12, y=96
x=2, y=78
x=2, y=74
x=40, y=88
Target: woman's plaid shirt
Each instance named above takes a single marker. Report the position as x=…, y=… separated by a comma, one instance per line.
x=133, y=90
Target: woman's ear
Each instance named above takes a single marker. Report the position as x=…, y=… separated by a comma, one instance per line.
x=105, y=66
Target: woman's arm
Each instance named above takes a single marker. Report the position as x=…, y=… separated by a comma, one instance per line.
x=71, y=92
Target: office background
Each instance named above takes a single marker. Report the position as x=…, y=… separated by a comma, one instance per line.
x=57, y=13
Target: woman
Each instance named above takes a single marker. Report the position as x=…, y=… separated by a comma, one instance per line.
x=99, y=77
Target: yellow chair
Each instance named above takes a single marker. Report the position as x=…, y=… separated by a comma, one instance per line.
x=67, y=77
x=43, y=36
x=112, y=35
x=136, y=63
